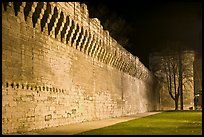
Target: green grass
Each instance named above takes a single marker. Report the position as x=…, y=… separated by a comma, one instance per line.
x=165, y=123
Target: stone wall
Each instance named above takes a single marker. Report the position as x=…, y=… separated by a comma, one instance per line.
x=60, y=67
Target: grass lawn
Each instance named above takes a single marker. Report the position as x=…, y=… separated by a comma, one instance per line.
x=165, y=123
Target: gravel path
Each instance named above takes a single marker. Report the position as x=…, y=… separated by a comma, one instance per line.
x=85, y=126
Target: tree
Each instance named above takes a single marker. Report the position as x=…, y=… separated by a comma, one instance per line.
x=172, y=68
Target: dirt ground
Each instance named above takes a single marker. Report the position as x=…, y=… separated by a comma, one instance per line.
x=72, y=129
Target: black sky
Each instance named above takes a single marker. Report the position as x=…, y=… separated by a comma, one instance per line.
x=151, y=24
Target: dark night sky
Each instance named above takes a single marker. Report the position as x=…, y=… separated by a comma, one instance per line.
x=151, y=24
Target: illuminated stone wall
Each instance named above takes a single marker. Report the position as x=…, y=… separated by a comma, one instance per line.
x=60, y=67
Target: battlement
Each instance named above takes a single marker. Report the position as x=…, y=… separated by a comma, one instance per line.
x=61, y=67
x=69, y=22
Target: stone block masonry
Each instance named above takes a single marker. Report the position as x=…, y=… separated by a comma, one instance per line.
x=60, y=67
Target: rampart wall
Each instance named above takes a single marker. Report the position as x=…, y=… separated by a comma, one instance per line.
x=60, y=67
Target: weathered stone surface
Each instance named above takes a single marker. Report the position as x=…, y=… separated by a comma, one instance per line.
x=59, y=84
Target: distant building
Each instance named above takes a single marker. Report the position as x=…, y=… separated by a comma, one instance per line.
x=198, y=78
x=192, y=77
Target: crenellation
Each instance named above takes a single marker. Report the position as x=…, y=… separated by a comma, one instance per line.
x=83, y=36
x=93, y=47
x=114, y=54
x=66, y=29
x=45, y=15
x=38, y=14
x=107, y=39
x=77, y=13
x=94, y=24
x=16, y=6
x=76, y=37
x=55, y=21
x=61, y=26
x=20, y=14
x=72, y=32
x=84, y=14
x=101, y=37
x=131, y=69
x=101, y=54
x=79, y=37
x=29, y=17
x=111, y=57
x=113, y=43
x=140, y=74
x=118, y=63
x=121, y=65
x=126, y=66
x=98, y=52
x=88, y=43
x=107, y=57
x=4, y=6
x=104, y=56
x=113, y=61
x=9, y=8
x=50, y=13
x=82, y=47
x=70, y=9
x=81, y=85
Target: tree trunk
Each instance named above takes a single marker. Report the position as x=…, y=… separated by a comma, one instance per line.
x=176, y=104
x=175, y=91
x=180, y=82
